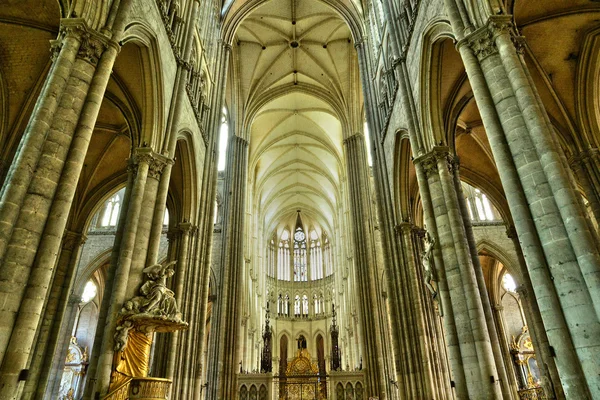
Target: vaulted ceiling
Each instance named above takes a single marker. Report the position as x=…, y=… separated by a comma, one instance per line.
x=297, y=84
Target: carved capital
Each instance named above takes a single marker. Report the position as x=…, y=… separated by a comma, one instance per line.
x=156, y=167
x=578, y=160
x=185, y=227
x=72, y=240
x=521, y=291
x=55, y=47
x=226, y=46
x=156, y=162
x=500, y=24
x=91, y=43
x=91, y=48
x=403, y=227
x=360, y=42
x=428, y=163
x=483, y=40
x=173, y=234
x=74, y=299
x=354, y=138
x=511, y=232
x=142, y=155
x=183, y=63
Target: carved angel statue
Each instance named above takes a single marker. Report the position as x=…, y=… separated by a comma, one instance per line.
x=161, y=299
x=427, y=259
x=121, y=335
x=156, y=298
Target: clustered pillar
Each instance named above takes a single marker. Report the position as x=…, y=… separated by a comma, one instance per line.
x=474, y=346
x=557, y=241
x=39, y=189
x=364, y=262
x=224, y=348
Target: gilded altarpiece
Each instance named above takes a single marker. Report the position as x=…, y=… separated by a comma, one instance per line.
x=302, y=380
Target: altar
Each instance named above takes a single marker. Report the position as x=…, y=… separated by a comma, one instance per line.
x=301, y=380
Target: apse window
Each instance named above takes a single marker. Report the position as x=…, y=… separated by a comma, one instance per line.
x=89, y=292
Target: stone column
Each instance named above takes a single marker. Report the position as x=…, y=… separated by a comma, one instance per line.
x=115, y=295
x=178, y=287
x=562, y=261
x=42, y=369
x=57, y=365
x=549, y=373
x=586, y=166
x=432, y=313
x=446, y=306
x=507, y=382
x=477, y=358
x=364, y=257
x=143, y=238
x=65, y=54
x=430, y=363
x=20, y=280
x=192, y=293
x=222, y=380
x=207, y=201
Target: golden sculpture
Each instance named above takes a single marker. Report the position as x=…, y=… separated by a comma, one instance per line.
x=301, y=378
x=155, y=310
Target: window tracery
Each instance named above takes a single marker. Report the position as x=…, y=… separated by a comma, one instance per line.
x=283, y=259
x=479, y=206
x=110, y=215
x=316, y=257
x=310, y=260
x=300, y=270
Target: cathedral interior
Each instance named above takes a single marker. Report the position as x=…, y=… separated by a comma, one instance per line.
x=299, y=199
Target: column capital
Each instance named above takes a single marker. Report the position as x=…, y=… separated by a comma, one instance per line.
x=577, y=160
x=483, y=40
x=72, y=240
x=404, y=227
x=353, y=138
x=522, y=291
x=185, y=227
x=173, y=234
x=184, y=64
x=238, y=139
x=511, y=232
x=429, y=160
x=74, y=299
x=156, y=162
x=92, y=44
x=359, y=42
x=226, y=46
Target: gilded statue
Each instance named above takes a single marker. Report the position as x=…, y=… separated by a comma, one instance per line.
x=154, y=310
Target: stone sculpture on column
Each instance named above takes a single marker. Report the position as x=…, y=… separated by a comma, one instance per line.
x=430, y=275
x=154, y=310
